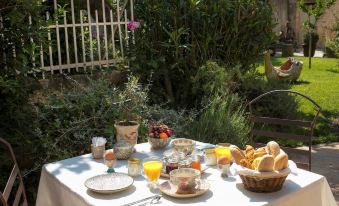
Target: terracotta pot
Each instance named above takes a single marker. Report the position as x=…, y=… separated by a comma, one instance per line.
x=127, y=132
x=306, y=50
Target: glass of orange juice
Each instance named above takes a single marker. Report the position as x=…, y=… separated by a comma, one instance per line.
x=223, y=150
x=223, y=153
x=152, y=169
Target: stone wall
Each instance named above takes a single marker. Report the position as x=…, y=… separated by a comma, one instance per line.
x=326, y=23
x=287, y=10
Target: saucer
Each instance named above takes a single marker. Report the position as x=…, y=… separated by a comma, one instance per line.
x=165, y=175
x=170, y=189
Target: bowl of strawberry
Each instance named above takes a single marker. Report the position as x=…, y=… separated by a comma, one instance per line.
x=159, y=135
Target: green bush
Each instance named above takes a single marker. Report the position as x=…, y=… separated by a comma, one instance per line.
x=61, y=123
x=211, y=78
x=73, y=117
x=222, y=119
x=333, y=44
x=177, y=37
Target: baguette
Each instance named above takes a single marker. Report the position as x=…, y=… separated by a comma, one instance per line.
x=237, y=154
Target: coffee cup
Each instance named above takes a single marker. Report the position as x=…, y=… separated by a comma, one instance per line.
x=187, y=180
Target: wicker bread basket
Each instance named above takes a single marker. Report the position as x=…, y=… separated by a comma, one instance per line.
x=257, y=183
x=264, y=181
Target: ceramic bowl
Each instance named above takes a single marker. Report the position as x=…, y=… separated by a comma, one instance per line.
x=185, y=176
x=158, y=143
x=123, y=151
x=183, y=145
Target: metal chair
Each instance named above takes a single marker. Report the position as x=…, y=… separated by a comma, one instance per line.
x=294, y=154
x=20, y=197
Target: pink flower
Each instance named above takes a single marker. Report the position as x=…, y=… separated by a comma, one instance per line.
x=132, y=25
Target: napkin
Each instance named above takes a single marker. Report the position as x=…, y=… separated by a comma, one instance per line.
x=99, y=141
x=236, y=169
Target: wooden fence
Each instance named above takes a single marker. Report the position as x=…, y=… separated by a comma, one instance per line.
x=83, y=37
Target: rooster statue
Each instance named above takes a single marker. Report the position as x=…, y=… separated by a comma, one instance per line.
x=289, y=70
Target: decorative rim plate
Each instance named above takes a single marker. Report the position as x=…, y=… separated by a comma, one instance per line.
x=203, y=169
x=109, y=183
x=170, y=190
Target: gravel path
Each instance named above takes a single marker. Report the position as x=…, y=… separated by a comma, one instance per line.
x=325, y=161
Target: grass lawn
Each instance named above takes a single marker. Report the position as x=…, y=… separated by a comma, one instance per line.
x=321, y=83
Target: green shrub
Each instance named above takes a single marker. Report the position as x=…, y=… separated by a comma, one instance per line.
x=223, y=119
x=333, y=44
x=73, y=117
x=177, y=37
x=211, y=78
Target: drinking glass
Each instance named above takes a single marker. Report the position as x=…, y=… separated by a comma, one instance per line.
x=223, y=150
x=223, y=153
x=152, y=169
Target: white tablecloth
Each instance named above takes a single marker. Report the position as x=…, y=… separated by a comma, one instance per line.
x=62, y=184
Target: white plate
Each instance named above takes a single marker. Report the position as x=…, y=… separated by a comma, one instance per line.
x=109, y=183
x=170, y=190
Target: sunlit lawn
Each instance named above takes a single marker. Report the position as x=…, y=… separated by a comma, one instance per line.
x=321, y=83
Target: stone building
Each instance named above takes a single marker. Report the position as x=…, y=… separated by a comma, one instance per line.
x=288, y=11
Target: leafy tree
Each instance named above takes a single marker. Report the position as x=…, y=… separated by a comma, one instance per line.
x=315, y=10
x=318, y=9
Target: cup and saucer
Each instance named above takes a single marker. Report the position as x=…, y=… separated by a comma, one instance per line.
x=184, y=183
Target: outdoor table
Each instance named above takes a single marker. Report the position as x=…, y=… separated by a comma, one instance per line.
x=62, y=184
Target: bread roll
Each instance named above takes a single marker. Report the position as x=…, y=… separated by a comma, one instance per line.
x=266, y=163
x=237, y=154
x=255, y=163
x=273, y=148
x=281, y=161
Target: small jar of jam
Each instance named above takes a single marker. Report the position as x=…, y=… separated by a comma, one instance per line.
x=185, y=163
x=196, y=162
x=171, y=164
x=134, y=167
x=210, y=157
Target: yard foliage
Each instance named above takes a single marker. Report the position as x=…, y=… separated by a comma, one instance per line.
x=176, y=37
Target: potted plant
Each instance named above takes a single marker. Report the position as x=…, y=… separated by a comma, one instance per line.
x=315, y=38
x=127, y=131
x=132, y=103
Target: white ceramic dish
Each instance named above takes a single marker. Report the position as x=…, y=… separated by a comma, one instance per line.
x=183, y=145
x=170, y=190
x=109, y=183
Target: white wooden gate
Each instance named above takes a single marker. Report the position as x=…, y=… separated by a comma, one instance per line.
x=86, y=38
